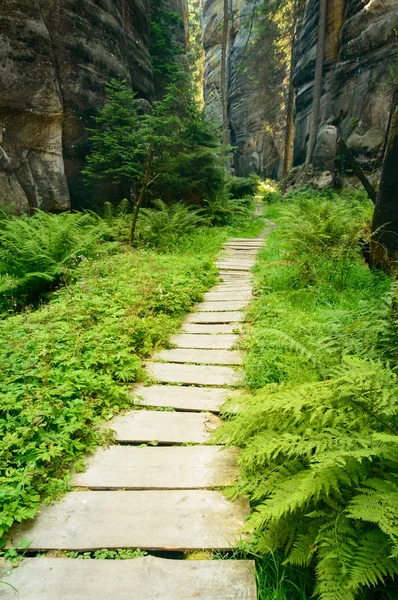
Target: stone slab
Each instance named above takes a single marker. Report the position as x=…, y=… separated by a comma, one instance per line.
x=246, y=240
x=225, y=296
x=232, y=286
x=243, y=276
x=215, y=329
x=170, y=467
x=238, y=259
x=193, y=374
x=163, y=427
x=235, y=250
x=235, y=275
x=236, y=255
x=146, y=578
x=215, y=317
x=200, y=356
x=150, y=520
x=234, y=266
x=211, y=342
x=185, y=398
x=222, y=306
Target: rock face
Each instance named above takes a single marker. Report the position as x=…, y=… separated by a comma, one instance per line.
x=256, y=139
x=55, y=58
x=361, y=47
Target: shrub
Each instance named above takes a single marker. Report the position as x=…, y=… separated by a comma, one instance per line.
x=239, y=187
x=36, y=253
x=226, y=211
x=320, y=463
x=313, y=225
x=162, y=227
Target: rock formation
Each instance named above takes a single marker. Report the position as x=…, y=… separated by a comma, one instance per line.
x=361, y=47
x=253, y=131
x=55, y=58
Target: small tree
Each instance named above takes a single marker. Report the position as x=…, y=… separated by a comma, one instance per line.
x=122, y=145
x=172, y=146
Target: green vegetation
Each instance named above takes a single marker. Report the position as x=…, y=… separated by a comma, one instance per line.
x=169, y=153
x=64, y=364
x=240, y=187
x=38, y=253
x=166, y=28
x=105, y=554
x=319, y=430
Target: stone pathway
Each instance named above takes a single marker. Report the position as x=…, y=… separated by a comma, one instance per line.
x=162, y=498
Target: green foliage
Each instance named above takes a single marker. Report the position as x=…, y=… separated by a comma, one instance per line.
x=170, y=153
x=320, y=463
x=320, y=434
x=105, y=554
x=117, y=218
x=39, y=252
x=223, y=210
x=120, y=140
x=63, y=368
x=325, y=223
x=190, y=168
x=240, y=187
x=163, y=227
x=163, y=48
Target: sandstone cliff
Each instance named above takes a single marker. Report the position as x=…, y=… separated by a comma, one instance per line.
x=361, y=47
x=256, y=126
x=55, y=58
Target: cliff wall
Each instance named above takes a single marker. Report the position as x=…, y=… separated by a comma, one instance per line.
x=55, y=58
x=254, y=124
x=361, y=48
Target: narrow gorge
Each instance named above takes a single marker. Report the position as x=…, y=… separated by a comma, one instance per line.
x=360, y=53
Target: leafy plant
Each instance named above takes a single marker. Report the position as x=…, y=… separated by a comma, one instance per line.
x=225, y=211
x=329, y=224
x=162, y=228
x=37, y=253
x=240, y=187
x=320, y=430
x=320, y=463
x=105, y=554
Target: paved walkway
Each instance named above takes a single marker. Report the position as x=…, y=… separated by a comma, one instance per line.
x=162, y=498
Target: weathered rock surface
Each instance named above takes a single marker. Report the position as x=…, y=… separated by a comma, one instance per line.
x=258, y=147
x=360, y=50
x=55, y=59
x=361, y=47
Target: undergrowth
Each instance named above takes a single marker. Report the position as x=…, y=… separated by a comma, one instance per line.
x=64, y=364
x=319, y=428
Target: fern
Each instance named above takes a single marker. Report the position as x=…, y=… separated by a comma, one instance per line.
x=320, y=464
x=37, y=252
x=164, y=226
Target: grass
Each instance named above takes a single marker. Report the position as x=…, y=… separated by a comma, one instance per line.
x=323, y=323
x=64, y=364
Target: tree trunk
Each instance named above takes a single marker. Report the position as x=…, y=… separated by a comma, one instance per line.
x=289, y=136
x=384, y=242
x=356, y=167
x=224, y=78
x=141, y=196
x=320, y=52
